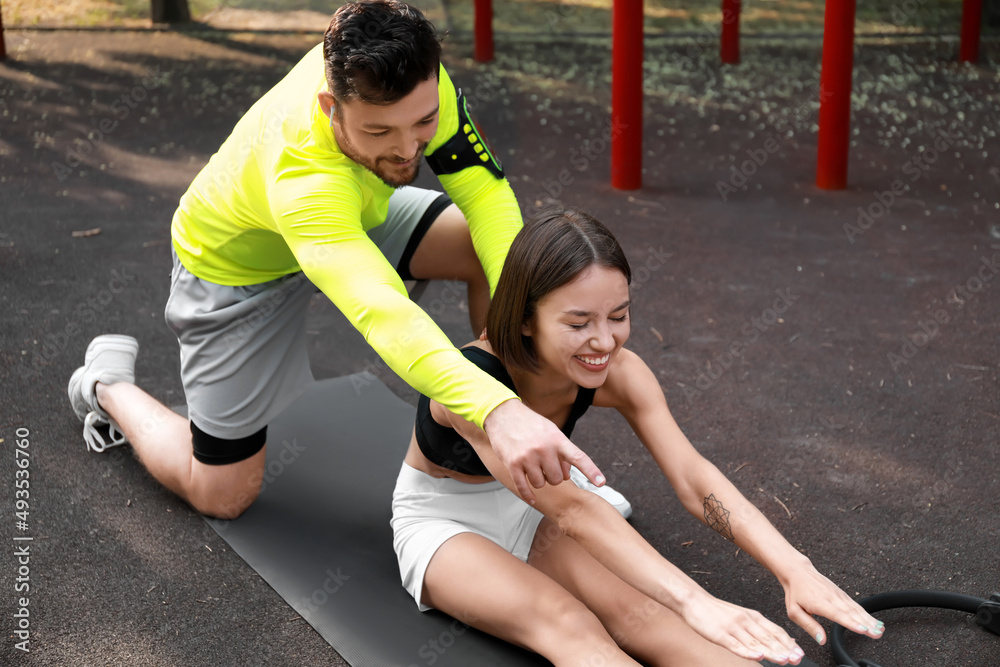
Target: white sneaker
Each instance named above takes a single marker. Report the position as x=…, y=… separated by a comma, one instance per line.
x=617, y=500
x=109, y=359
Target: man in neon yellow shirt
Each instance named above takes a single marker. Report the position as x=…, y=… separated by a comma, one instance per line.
x=312, y=190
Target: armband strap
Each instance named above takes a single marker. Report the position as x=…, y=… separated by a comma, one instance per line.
x=465, y=149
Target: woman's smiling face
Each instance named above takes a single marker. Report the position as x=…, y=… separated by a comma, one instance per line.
x=578, y=328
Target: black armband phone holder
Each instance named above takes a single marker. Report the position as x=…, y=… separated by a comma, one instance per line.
x=466, y=149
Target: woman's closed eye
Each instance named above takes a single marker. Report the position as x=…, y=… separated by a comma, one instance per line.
x=581, y=325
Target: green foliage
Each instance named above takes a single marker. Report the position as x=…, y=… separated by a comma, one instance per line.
x=563, y=16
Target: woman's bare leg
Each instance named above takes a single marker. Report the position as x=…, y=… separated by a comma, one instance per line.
x=479, y=583
x=647, y=630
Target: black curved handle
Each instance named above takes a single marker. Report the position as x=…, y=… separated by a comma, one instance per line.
x=981, y=608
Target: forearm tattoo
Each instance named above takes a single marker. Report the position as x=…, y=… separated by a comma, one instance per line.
x=717, y=517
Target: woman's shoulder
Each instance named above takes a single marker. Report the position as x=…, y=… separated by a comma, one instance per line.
x=481, y=344
x=481, y=354
x=479, y=348
x=624, y=376
x=626, y=362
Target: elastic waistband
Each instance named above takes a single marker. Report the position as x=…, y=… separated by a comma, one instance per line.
x=411, y=480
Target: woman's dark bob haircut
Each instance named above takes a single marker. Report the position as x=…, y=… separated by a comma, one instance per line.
x=554, y=247
x=378, y=51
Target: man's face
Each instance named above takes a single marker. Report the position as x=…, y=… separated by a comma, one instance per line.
x=388, y=140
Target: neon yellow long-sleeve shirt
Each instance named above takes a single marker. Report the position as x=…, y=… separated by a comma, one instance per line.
x=280, y=196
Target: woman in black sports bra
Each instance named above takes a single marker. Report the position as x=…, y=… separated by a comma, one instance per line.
x=569, y=578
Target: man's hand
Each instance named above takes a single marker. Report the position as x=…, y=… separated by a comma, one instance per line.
x=533, y=449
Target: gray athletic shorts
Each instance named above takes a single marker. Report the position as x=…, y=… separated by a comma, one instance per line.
x=243, y=348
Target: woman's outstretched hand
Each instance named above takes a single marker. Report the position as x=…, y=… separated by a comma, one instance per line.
x=808, y=593
x=744, y=632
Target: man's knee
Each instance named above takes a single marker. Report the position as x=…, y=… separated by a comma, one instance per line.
x=226, y=491
x=225, y=508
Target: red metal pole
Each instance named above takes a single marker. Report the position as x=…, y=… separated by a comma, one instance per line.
x=626, y=95
x=835, y=94
x=729, y=43
x=484, y=31
x=972, y=14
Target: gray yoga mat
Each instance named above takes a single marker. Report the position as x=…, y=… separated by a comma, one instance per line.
x=319, y=532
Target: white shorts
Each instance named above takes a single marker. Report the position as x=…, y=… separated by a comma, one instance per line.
x=428, y=511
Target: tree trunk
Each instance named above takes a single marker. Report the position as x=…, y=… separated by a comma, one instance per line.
x=991, y=13
x=171, y=11
x=3, y=44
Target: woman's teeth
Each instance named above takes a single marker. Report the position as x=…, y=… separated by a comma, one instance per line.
x=595, y=361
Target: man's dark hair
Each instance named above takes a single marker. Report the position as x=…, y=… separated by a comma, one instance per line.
x=378, y=51
x=553, y=248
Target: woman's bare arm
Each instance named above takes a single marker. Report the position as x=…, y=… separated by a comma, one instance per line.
x=708, y=495
x=602, y=531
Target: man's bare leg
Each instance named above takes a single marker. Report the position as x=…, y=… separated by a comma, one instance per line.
x=446, y=253
x=162, y=440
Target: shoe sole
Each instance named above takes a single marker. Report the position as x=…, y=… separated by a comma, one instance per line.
x=82, y=409
x=117, y=342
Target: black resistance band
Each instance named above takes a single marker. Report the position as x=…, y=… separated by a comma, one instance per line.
x=987, y=614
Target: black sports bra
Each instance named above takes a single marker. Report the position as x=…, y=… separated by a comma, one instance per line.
x=445, y=447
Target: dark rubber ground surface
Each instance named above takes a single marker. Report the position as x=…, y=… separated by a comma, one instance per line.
x=882, y=469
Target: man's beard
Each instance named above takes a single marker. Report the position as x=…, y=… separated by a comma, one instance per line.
x=393, y=181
